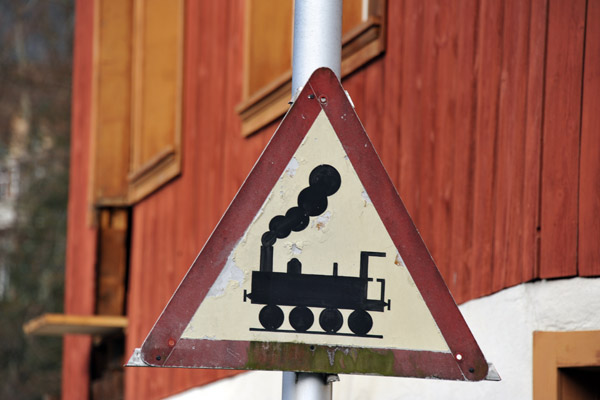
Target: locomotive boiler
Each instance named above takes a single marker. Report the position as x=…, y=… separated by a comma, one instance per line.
x=330, y=293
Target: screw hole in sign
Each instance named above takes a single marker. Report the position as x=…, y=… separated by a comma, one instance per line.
x=459, y=357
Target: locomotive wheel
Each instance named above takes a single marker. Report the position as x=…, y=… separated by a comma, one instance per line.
x=271, y=317
x=301, y=318
x=360, y=322
x=331, y=320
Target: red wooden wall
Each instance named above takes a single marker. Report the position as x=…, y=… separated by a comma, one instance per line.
x=485, y=114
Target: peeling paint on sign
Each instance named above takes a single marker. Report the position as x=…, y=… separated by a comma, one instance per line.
x=321, y=221
x=231, y=275
x=292, y=167
x=366, y=197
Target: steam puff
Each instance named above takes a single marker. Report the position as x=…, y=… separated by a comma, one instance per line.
x=323, y=181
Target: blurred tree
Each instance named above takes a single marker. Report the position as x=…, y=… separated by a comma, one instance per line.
x=35, y=89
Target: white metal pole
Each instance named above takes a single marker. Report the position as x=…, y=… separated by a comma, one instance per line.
x=312, y=387
x=317, y=43
x=288, y=387
x=317, y=39
x=307, y=386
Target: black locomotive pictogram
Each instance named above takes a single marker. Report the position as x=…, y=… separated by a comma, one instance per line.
x=293, y=288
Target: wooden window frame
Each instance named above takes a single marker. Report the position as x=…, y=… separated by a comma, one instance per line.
x=166, y=164
x=121, y=173
x=360, y=45
x=555, y=350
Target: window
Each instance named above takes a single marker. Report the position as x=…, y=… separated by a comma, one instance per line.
x=136, y=146
x=268, y=58
x=566, y=365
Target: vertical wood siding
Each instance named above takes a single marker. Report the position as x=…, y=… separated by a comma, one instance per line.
x=589, y=162
x=485, y=114
x=561, y=137
x=81, y=238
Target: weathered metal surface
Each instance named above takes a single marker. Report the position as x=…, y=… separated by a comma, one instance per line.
x=493, y=374
x=136, y=359
x=458, y=358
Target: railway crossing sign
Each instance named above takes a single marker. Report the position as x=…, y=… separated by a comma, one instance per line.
x=316, y=266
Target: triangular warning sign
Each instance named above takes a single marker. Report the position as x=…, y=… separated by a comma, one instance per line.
x=317, y=266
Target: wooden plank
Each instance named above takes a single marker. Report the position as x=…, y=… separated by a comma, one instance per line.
x=210, y=163
x=81, y=238
x=112, y=111
x=545, y=376
x=157, y=34
x=373, y=106
x=142, y=283
x=443, y=98
x=161, y=265
x=267, y=23
x=512, y=115
x=149, y=244
x=462, y=267
x=135, y=308
x=351, y=14
x=410, y=109
x=488, y=64
x=562, y=115
x=533, y=140
x=392, y=89
x=113, y=244
x=589, y=170
x=138, y=306
x=63, y=324
x=355, y=85
x=156, y=95
x=424, y=162
x=232, y=141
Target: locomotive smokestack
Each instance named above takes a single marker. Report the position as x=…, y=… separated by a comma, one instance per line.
x=266, y=258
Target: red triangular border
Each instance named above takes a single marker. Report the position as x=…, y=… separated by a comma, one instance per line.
x=164, y=346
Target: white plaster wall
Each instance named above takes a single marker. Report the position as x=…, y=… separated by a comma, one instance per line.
x=503, y=325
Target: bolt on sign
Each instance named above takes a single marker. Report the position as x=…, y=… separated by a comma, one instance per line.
x=316, y=266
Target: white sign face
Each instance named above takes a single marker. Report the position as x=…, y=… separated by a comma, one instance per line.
x=332, y=277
